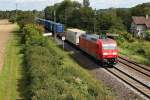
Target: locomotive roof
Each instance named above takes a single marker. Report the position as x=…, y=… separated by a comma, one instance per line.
x=108, y=40
x=95, y=37
x=76, y=30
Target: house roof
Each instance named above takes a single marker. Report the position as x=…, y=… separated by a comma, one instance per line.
x=139, y=20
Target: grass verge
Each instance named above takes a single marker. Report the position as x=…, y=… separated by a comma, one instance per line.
x=11, y=72
x=52, y=74
x=138, y=51
x=74, y=68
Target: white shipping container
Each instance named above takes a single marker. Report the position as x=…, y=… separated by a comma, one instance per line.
x=73, y=35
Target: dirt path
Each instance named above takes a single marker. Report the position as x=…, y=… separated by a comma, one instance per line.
x=5, y=30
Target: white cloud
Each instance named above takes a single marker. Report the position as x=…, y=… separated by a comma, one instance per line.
x=51, y=1
x=41, y=4
x=23, y=1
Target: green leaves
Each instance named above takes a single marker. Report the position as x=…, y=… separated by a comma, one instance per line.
x=148, y=34
x=50, y=77
x=141, y=10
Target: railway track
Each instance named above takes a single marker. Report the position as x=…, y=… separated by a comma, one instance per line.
x=135, y=64
x=127, y=77
x=131, y=81
x=145, y=71
x=134, y=82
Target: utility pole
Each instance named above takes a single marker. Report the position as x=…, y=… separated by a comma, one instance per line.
x=55, y=34
x=66, y=16
x=95, y=21
x=16, y=12
x=86, y=3
x=54, y=15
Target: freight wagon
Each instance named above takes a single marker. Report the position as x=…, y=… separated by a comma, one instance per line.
x=51, y=25
x=72, y=35
x=101, y=48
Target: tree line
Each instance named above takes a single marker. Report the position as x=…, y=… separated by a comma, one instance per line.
x=21, y=17
x=75, y=14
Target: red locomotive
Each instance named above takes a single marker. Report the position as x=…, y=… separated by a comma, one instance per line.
x=102, y=48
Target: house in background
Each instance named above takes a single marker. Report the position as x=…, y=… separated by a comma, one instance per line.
x=139, y=25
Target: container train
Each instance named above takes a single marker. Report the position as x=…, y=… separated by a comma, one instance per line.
x=102, y=48
x=55, y=28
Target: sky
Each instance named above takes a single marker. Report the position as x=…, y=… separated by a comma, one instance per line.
x=41, y=4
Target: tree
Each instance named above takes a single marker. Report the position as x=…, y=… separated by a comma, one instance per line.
x=109, y=21
x=49, y=12
x=25, y=18
x=86, y=3
x=141, y=10
x=148, y=34
x=63, y=11
x=125, y=15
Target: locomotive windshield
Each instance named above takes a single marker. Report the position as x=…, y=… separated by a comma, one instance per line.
x=109, y=46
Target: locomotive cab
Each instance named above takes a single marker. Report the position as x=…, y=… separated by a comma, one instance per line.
x=103, y=49
x=109, y=50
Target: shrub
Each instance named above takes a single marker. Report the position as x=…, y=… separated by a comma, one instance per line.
x=33, y=36
x=50, y=78
x=148, y=34
x=25, y=18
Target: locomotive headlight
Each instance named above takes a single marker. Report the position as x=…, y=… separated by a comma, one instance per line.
x=105, y=54
x=114, y=53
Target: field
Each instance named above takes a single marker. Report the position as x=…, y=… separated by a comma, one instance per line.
x=54, y=75
x=138, y=50
x=63, y=76
x=5, y=30
x=11, y=72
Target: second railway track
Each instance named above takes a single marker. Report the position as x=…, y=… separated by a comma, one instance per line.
x=136, y=67
x=127, y=78
x=121, y=59
x=134, y=83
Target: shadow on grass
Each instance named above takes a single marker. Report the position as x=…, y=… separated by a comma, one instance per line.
x=22, y=81
x=83, y=59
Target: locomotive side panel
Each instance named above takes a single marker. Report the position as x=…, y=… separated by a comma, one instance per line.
x=89, y=47
x=51, y=25
x=104, y=50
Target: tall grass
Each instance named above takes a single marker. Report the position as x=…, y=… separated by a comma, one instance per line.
x=138, y=50
x=53, y=75
x=11, y=72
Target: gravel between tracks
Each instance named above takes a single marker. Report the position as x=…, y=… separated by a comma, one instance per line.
x=122, y=90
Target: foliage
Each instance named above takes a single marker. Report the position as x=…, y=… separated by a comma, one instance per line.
x=86, y=3
x=72, y=14
x=21, y=17
x=125, y=15
x=148, y=34
x=110, y=21
x=54, y=76
x=141, y=10
x=25, y=18
x=136, y=49
x=86, y=18
x=33, y=36
x=49, y=12
x=5, y=14
x=11, y=74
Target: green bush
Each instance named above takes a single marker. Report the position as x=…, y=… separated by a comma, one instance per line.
x=50, y=78
x=148, y=34
x=25, y=18
x=33, y=36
